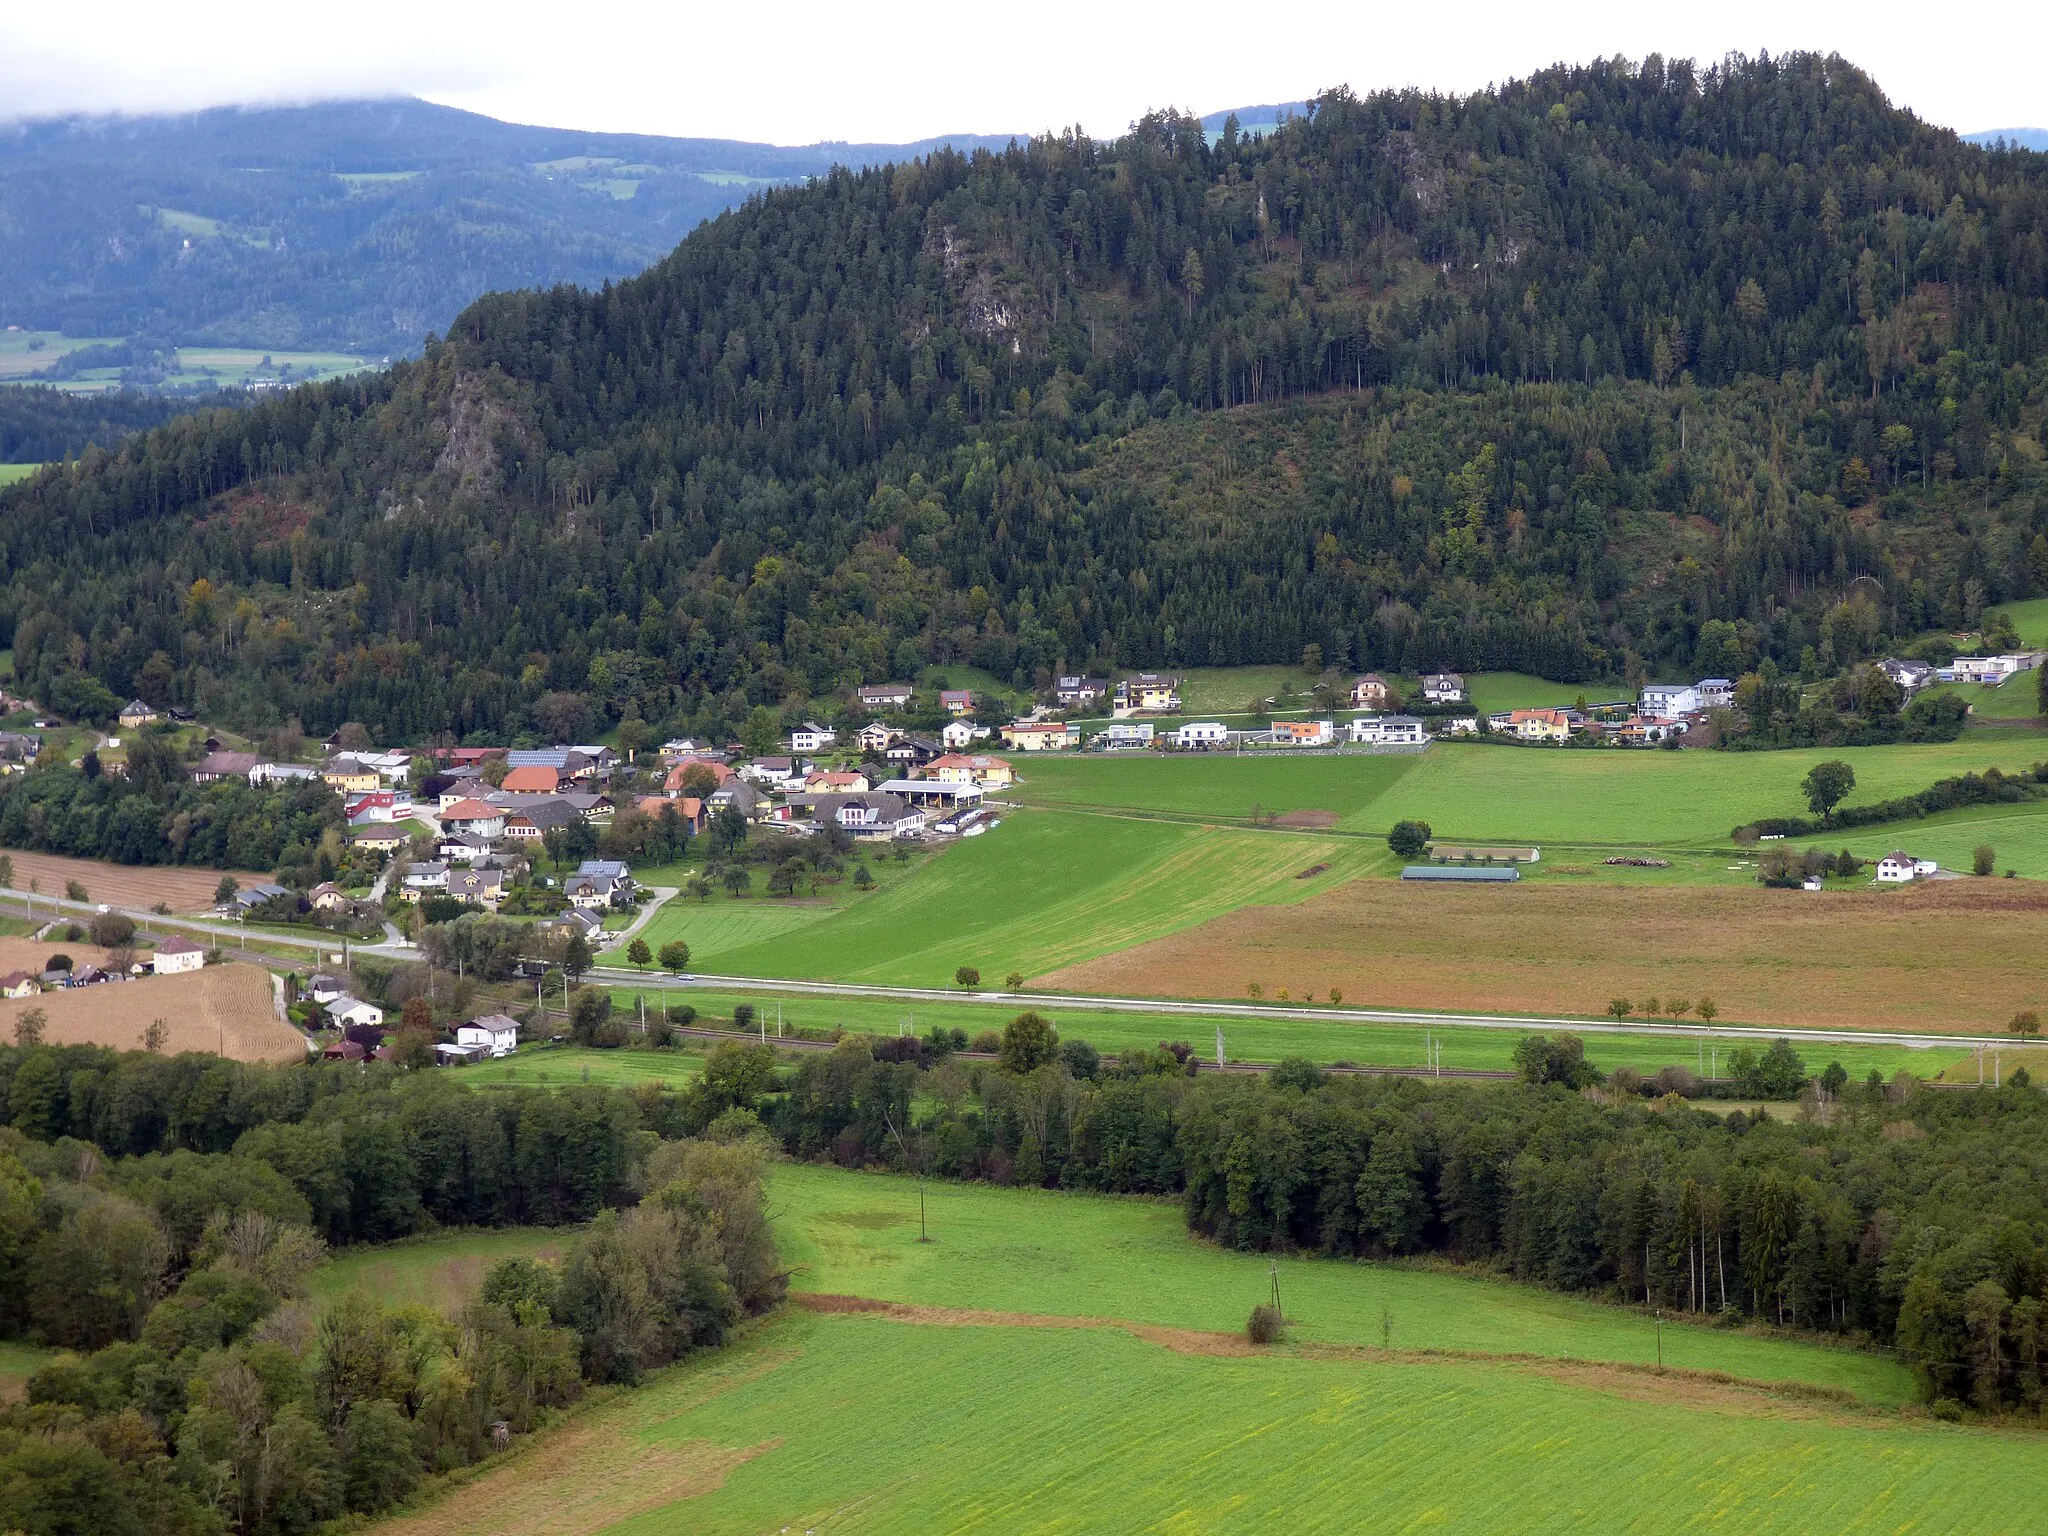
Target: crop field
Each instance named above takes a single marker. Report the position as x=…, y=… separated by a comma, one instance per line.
x=26, y=352
x=140, y=886
x=1071, y=1364
x=225, y=1009
x=438, y=1271
x=1303, y=1031
x=1906, y=959
x=1043, y=890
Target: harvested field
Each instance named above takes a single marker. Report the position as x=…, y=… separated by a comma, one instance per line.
x=1314, y=821
x=181, y=888
x=225, y=1009
x=1911, y=959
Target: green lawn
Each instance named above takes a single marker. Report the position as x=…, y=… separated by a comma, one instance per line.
x=438, y=1271
x=2016, y=699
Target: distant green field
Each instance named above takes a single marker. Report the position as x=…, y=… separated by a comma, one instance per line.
x=2016, y=699
x=1492, y=692
x=438, y=1271
x=1515, y=794
x=1309, y=1032
x=2030, y=618
x=1042, y=890
x=2018, y=835
x=26, y=352
x=549, y=1066
x=10, y=473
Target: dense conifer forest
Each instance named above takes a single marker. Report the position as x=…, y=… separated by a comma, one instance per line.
x=1618, y=370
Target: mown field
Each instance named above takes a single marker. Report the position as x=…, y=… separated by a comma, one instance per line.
x=10, y=473
x=979, y=1404
x=1904, y=959
x=1467, y=791
x=564, y=1066
x=1303, y=1032
x=1041, y=891
x=438, y=1271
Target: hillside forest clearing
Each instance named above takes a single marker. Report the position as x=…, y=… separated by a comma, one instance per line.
x=1103, y=1316
x=228, y=1010
x=1902, y=959
x=9, y=473
x=182, y=888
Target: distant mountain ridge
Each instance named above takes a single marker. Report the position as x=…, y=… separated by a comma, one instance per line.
x=2017, y=138
x=359, y=225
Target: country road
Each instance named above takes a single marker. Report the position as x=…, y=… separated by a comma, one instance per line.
x=226, y=935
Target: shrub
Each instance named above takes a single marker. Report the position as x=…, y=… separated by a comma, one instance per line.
x=1984, y=860
x=113, y=930
x=1264, y=1325
x=987, y=1043
x=682, y=1013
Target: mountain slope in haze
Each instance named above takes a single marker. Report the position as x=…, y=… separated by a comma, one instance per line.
x=354, y=225
x=1617, y=369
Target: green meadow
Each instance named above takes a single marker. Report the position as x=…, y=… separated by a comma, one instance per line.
x=1305, y=1033
x=438, y=1271
x=568, y=1066
x=1464, y=790
x=1544, y=1413
x=11, y=473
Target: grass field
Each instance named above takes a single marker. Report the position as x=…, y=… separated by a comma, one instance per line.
x=553, y=1066
x=18, y=1362
x=1492, y=793
x=981, y=1406
x=11, y=474
x=437, y=1271
x=1319, y=1038
x=1043, y=890
x=26, y=352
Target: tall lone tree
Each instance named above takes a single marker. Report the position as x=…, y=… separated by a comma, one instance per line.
x=1826, y=785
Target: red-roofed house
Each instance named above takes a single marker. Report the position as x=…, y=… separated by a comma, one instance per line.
x=977, y=768
x=19, y=984
x=674, y=782
x=474, y=817
x=532, y=779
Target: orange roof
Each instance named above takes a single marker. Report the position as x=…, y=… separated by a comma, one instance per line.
x=471, y=810
x=532, y=779
x=719, y=772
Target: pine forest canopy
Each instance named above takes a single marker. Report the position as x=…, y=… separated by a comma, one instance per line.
x=1617, y=369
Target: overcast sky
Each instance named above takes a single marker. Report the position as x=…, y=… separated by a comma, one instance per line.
x=797, y=72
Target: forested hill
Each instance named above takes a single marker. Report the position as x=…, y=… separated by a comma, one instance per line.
x=1588, y=374
x=359, y=225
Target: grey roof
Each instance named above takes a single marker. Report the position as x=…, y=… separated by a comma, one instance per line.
x=1472, y=872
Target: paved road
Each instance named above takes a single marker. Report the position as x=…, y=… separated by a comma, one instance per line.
x=227, y=936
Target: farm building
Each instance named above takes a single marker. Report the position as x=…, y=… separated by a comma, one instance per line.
x=1463, y=873
x=175, y=955
x=1900, y=868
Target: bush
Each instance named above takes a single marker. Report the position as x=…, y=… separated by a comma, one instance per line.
x=987, y=1043
x=682, y=1013
x=112, y=930
x=1984, y=860
x=1264, y=1325
x=1082, y=1061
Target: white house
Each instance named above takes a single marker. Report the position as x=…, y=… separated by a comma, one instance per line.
x=1125, y=735
x=1201, y=736
x=493, y=1032
x=877, y=737
x=1910, y=676
x=1668, y=701
x=959, y=735
x=1716, y=693
x=176, y=955
x=812, y=737
x=1388, y=730
x=346, y=1010
x=1444, y=688
x=1993, y=670
x=1899, y=868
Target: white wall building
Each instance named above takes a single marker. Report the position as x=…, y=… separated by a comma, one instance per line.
x=1668, y=701
x=1388, y=730
x=1201, y=735
x=1899, y=868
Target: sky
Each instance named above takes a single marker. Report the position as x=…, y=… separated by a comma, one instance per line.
x=798, y=72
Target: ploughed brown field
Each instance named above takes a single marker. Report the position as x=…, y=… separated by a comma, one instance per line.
x=124, y=885
x=1957, y=956
x=225, y=1009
